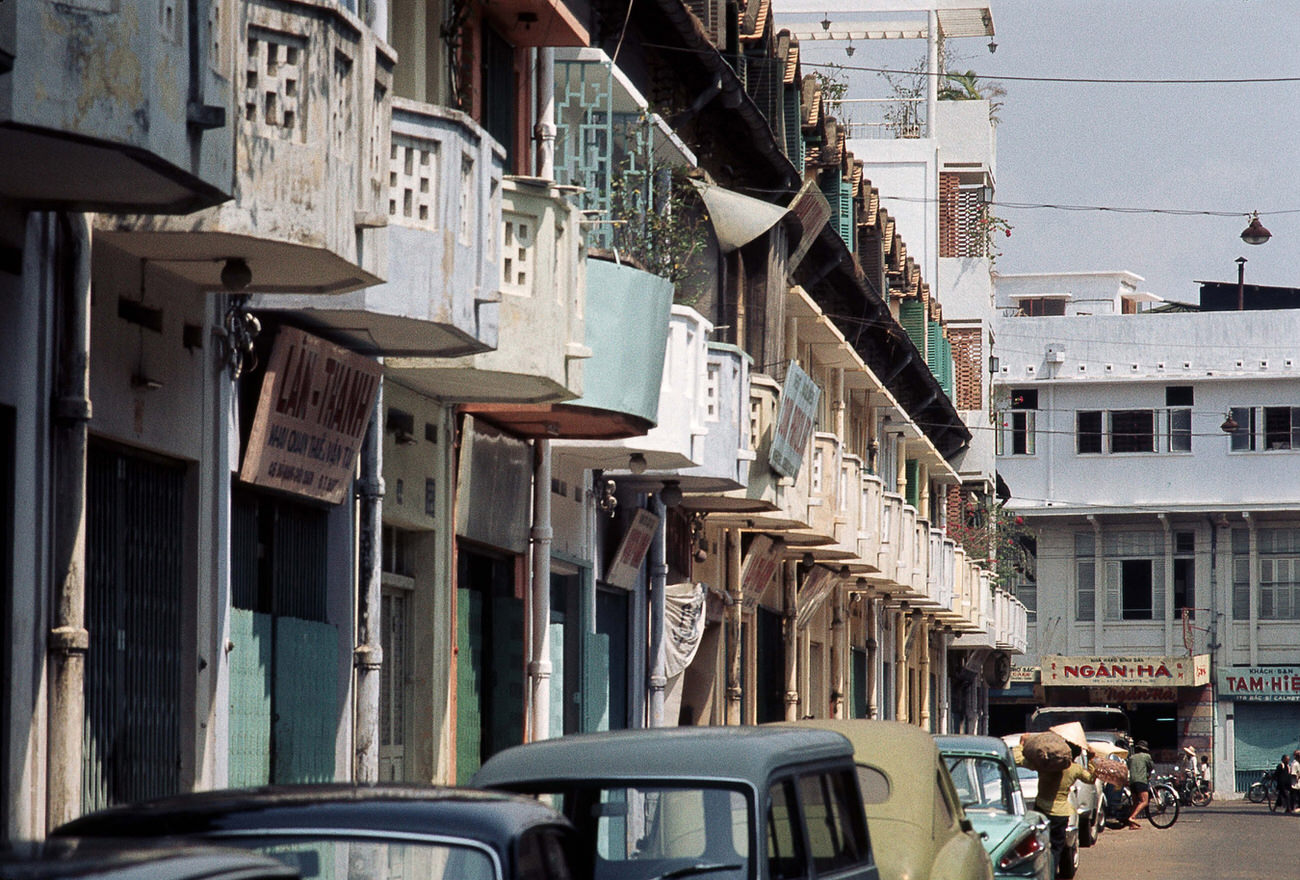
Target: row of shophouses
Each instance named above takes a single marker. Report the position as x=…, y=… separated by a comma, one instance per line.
x=345, y=434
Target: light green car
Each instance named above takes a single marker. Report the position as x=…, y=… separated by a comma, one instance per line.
x=918, y=827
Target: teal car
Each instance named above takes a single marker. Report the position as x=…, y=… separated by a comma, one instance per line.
x=1017, y=839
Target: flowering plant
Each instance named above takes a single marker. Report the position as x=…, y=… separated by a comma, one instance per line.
x=996, y=538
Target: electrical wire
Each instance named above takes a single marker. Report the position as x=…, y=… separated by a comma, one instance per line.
x=1083, y=80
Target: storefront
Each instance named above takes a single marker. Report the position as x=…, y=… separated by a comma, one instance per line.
x=1011, y=706
x=1167, y=699
x=1261, y=708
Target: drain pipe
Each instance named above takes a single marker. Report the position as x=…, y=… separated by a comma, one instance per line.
x=735, y=605
x=658, y=583
x=539, y=668
x=63, y=241
x=368, y=656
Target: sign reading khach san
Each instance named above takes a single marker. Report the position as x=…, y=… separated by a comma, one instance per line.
x=1267, y=684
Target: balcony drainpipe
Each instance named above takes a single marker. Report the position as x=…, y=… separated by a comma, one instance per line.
x=544, y=131
x=539, y=667
x=734, y=630
x=790, y=600
x=658, y=583
x=368, y=656
x=64, y=241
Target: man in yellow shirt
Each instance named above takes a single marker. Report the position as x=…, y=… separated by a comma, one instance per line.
x=1053, y=798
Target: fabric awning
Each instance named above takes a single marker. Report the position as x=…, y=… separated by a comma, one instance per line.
x=737, y=219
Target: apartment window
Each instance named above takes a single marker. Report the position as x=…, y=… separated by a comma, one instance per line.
x=1027, y=592
x=1085, y=607
x=1088, y=432
x=1132, y=430
x=1282, y=427
x=1184, y=571
x=1135, y=589
x=1134, y=564
x=1279, y=574
x=1019, y=423
x=1178, y=403
x=1036, y=307
x=1243, y=436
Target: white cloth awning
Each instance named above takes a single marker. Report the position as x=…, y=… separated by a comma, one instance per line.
x=737, y=219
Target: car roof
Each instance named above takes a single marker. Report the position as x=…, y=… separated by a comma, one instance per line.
x=491, y=818
x=971, y=744
x=737, y=754
x=102, y=859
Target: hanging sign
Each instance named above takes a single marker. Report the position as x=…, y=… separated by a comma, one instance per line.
x=794, y=422
x=631, y=552
x=758, y=569
x=1133, y=671
x=316, y=402
x=817, y=585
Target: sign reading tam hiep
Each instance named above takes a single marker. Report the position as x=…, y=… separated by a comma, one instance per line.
x=1135, y=671
x=315, y=405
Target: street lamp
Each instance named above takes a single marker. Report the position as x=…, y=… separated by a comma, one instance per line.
x=1255, y=233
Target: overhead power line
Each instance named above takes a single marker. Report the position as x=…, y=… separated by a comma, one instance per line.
x=1085, y=80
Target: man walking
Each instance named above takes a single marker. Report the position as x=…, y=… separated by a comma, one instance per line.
x=1139, y=780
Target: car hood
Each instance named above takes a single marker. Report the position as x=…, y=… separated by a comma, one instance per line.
x=904, y=851
x=996, y=828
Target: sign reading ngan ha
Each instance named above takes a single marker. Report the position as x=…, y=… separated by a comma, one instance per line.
x=315, y=405
x=1135, y=671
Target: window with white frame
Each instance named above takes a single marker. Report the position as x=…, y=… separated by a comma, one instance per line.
x=1016, y=435
x=1132, y=430
x=1132, y=581
x=1178, y=418
x=1100, y=431
x=1265, y=428
x=1085, y=591
x=1279, y=573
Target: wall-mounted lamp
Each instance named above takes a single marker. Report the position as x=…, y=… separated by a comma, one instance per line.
x=1255, y=233
x=1229, y=425
x=605, y=500
x=826, y=22
x=698, y=537
x=849, y=50
x=242, y=328
x=235, y=274
x=671, y=493
x=636, y=463
x=993, y=47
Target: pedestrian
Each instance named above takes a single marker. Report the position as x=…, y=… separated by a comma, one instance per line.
x=1282, y=780
x=1053, y=799
x=1140, y=765
x=1295, y=781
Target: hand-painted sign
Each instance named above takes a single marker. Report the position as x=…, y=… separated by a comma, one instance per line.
x=1268, y=684
x=758, y=569
x=1136, y=671
x=631, y=552
x=794, y=422
x=316, y=402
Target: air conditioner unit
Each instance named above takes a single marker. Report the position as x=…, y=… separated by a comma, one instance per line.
x=1055, y=354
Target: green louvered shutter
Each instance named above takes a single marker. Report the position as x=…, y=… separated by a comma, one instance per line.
x=846, y=213
x=911, y=314
x=794, y=145
x=913, y=477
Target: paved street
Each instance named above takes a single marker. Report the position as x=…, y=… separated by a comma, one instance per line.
x=1224, y=841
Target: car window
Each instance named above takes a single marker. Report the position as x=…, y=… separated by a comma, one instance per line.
x=836, y=836
x=980, y=782
x=543, y=855
x=785, y=857
x=661, y=825
x=874, y=784
x=945, y=813
x=326, y=859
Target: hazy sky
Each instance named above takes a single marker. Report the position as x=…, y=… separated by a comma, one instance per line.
x=1201, y=147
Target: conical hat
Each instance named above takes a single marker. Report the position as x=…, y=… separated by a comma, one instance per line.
x=1071, y=732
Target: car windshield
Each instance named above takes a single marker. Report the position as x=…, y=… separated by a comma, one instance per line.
x=982, y=783
x=643, y=832
x=328, y=858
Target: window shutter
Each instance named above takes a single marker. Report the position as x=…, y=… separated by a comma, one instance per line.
x=1085, y=599
x=911, y=314
x=1112, y=587
x=1157, y=589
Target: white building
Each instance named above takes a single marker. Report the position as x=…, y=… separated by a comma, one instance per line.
x=1155, y=453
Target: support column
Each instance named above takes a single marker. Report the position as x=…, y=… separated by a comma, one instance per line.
x=658, y=583
x=368, y=656
x=790, y=605
x=839, y=649
x=539, y=667
x=544, y=131
x=734, y=609
x=901, y=696
x=62, y=244
x=873, y=648
x=923, y=696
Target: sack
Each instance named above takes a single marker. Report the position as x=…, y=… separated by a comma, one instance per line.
x=1046, y=751
x=1112, y=771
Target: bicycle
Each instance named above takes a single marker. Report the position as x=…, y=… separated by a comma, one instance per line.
x=1161, y=810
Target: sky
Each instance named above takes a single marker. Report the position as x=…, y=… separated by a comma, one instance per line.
x=1207, y=148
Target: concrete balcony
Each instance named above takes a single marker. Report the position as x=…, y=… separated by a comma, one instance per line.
x=442, y=296
x=116, y=106
x=870, y=519
x=848, y=498
x=826, y=488
x=541, y=337
x=311, y=147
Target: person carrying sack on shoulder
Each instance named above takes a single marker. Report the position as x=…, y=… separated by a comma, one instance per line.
x=1056, y=773
x=1140, y=765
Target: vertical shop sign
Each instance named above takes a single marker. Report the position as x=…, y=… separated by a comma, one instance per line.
x=794, y=423
x=632, y=550
x=758, y=569
x=315, y=405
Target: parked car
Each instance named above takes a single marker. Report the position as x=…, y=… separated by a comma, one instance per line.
x=918, y=827
x=733, y=803
x=988, y=786
x=380, y=831
x=64, y=859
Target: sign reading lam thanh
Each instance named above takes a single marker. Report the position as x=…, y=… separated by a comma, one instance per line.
x=1269, y=684
x=1133, y=671
x=315, y=405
